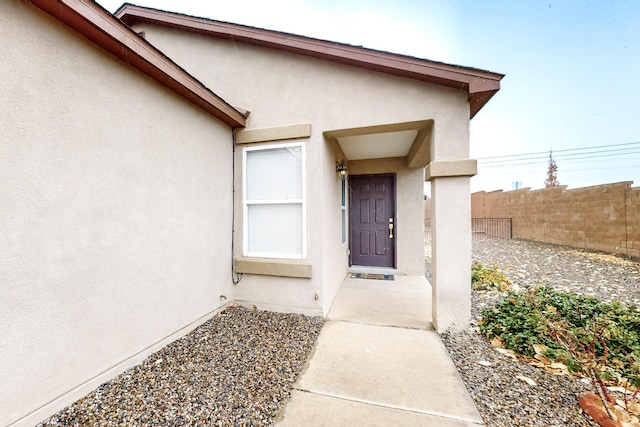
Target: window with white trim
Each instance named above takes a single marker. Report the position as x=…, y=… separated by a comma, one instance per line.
x=274, y=205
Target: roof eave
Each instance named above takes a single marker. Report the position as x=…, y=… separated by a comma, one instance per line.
x=471, y=80
x=103, y=29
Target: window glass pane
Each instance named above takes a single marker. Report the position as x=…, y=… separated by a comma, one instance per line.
x=275, y=229
x=274, y=174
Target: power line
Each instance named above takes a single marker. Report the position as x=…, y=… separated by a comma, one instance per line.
x=566, y=156
x=580, y=156
x=588, y=156
x=546, y=153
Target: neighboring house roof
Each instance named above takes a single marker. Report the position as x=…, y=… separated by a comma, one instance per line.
x=480, y=85
x=103, y=29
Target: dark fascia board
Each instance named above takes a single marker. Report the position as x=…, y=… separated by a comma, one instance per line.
x=102, y=28
x=480, y=85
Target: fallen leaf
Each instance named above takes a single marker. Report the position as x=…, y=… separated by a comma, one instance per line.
x=497, y=342
x=621, y=414
x=537, y=363
x=540, y=348
x=559, y=366
x=635, y=422
x=526, y=380
x=620, y=389
x=506, y=352
x=634, y=408
x=485, y=363
x=542, y=358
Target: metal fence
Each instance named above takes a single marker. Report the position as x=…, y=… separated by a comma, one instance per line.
x=481, y=228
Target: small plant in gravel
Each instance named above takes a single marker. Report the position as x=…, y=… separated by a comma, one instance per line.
x=599, y=340
x=542, y=315
x=488, y=278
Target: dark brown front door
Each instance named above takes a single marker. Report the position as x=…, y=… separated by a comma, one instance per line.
x=371, y=211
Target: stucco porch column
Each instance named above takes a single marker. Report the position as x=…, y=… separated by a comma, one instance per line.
x=451, y=242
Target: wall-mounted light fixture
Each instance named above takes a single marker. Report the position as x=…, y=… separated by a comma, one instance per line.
x=342, y=170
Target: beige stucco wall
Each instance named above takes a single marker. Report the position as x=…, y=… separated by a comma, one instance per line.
x=280, y=88
x=116, y=212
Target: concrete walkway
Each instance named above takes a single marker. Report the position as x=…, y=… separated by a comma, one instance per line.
x=378, y=362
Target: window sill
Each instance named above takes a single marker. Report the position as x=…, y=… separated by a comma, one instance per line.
x=273, y=267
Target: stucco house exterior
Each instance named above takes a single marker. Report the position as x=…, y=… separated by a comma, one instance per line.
x=157, y=167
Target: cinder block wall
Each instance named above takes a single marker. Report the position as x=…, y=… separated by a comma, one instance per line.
x=603, y=217
x=632, y=213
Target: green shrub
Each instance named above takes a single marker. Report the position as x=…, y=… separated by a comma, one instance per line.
x=578, y=330
x=486, y=279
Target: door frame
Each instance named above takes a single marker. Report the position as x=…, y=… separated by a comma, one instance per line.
x=394, y=206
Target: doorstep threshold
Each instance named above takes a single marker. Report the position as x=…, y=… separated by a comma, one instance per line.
x=365, y=269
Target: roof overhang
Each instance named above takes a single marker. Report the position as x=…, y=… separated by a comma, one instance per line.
x=480, y=85
x=103, y=29
x=410, y=140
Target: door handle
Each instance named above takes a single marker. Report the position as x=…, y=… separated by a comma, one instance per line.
x=391, y=228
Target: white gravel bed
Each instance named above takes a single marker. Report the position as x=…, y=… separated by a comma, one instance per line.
x=490, y=377
x=236, y=369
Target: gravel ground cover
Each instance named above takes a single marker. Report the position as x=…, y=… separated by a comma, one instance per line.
x=490, y=376
x=236, y=369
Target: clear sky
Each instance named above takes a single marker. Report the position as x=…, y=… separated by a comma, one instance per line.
x=572, y=71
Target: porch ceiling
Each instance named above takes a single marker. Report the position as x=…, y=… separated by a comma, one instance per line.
x=410, y=140
x=378, y=145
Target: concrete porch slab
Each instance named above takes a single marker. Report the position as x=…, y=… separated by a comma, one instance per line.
x=396, y=368
x=378, y=362
x=403, y=302
x=309, y=409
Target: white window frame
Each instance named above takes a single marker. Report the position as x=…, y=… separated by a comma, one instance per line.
x=246, y=203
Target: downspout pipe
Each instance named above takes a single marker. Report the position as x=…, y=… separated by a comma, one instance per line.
x=235, y=277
